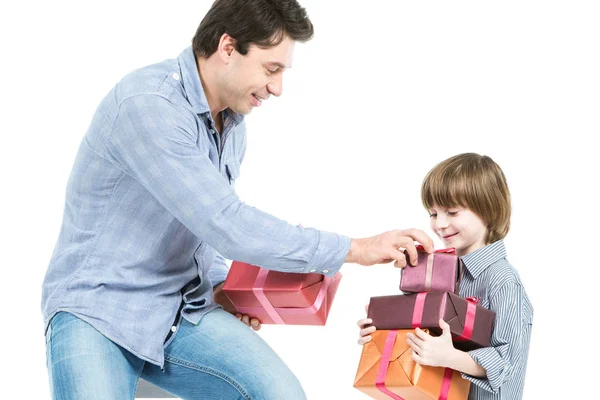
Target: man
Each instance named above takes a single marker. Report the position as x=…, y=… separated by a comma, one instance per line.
x=151, y=213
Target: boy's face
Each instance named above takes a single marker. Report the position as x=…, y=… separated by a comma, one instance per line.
x=458, y=227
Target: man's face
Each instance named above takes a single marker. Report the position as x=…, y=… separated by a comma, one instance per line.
x=249, y=80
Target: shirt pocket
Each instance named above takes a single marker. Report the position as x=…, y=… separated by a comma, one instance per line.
x=232, y=166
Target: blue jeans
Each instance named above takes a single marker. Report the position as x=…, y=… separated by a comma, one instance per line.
x=220, y=358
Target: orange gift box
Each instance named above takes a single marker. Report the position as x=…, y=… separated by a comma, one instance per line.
x=280, y=297
x=387, y=371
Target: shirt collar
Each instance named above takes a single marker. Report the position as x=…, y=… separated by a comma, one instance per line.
x=193, y=87
x=477, y=261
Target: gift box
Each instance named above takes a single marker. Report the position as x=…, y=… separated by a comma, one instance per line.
x=280, y=297
x=434, y=272
x=471, y=325
x=386, y=370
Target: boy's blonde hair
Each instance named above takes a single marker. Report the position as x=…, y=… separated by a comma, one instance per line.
x=475, y=182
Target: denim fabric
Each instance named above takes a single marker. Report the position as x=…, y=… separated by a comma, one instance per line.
x=151, y=213
x=203, y=361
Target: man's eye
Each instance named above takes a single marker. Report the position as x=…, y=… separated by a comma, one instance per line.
x=271, y=71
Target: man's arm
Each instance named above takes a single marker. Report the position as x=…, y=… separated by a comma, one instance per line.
x=156, y=143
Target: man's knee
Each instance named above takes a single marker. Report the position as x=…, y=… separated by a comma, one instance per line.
x=275, y=383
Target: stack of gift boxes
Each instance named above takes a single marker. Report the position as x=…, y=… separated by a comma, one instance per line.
x=386, y=368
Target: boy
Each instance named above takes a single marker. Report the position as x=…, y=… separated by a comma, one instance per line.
x=468, y=201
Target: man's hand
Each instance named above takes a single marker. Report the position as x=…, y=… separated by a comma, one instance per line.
x=386, y=247
x=220, y=298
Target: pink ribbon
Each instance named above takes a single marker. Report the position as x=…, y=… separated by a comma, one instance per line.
x=445, y=390
x=418, y=310
x=430, y=259
x=384, y=364
x=429, y=272
x=276, y=312
x=469, y=319
x=257, y=289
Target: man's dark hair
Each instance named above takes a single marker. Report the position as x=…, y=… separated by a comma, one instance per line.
x=261, y=22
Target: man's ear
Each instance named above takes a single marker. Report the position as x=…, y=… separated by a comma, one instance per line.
x=226, y=48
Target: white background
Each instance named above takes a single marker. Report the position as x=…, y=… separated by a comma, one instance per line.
x=384, y=91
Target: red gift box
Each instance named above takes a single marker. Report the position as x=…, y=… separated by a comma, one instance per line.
x=280, y=297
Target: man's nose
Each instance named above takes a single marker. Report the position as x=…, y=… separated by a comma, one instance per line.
x=275, y=87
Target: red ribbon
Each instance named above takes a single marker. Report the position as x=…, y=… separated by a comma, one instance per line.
x=449, y=250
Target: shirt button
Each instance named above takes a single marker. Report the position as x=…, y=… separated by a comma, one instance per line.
x=175, y=76
x=173, y=328
x=313, y=270
x=212, y=131
x=325, y=271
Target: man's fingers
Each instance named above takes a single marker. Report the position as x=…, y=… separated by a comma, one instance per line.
x=246, y=320
x=410, y=256
x=399, y=257
x=421, y=237
x=255, y=324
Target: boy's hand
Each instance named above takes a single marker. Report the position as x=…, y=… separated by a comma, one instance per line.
x=430, y=350
x=365, y=333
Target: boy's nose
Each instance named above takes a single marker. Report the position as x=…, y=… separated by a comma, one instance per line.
x=441, y=222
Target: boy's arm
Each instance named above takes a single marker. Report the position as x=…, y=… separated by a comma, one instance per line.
x=461, y=361
x=510, y=341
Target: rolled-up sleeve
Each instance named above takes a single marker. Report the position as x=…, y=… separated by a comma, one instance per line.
x=156, y=143
x=508, y=341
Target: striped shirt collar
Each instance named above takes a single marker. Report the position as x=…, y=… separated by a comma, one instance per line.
x=477, y=261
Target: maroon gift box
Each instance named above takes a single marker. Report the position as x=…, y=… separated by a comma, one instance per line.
x=280, y=297
x=434, y=272
x=471, y=325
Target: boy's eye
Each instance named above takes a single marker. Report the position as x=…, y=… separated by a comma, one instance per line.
x=452, y=213
x=432, y=215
